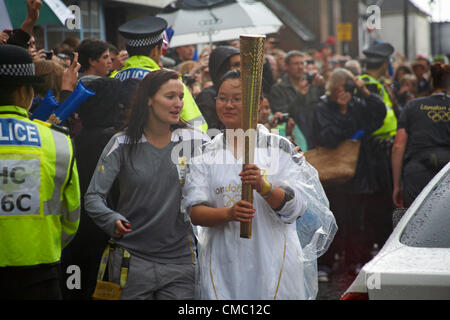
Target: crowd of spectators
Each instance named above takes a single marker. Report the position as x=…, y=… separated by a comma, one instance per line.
x=305, y=97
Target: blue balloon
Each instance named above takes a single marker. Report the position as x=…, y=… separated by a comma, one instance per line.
x=79, y=95
x=46, y=108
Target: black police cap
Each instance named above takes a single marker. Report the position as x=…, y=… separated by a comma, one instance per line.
x=379, y=52
x=16, y=66
x=143, y=32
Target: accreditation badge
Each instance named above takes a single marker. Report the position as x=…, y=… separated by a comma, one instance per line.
x=105, y=290
x=182, y=169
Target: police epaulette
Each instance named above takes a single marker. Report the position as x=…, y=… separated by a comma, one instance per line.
x=61, y=129
x=42, y=122
x=53, y=126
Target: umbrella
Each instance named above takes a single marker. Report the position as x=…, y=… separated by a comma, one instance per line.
x=151, y=3
x=220, y=23
x=14, y=12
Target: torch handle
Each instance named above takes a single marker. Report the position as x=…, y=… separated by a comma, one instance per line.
x=252, y=61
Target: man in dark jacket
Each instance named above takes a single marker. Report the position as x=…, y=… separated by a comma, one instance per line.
x=297, y=94
x=221, y=60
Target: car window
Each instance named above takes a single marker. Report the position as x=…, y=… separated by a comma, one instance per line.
x=430, y=226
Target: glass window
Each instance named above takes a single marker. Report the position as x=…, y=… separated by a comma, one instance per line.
x=93, y=10
x=84, y=6
x=91, y=26
x=430, y=225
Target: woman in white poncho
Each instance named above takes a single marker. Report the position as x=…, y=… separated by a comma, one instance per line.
x=270, y=265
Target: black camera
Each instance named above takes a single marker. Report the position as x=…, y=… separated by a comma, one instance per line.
x=284, y=118
x=188, y=80
x=8, y=32
x=310, y=77
x=350, y=87
x=48, y=55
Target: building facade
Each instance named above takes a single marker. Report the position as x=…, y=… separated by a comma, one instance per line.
x=393, y=28
x=99, y=19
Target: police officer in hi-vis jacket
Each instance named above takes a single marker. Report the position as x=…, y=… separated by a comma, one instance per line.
x=39, y=188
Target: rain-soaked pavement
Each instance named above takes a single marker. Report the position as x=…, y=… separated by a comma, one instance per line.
x=336, y=286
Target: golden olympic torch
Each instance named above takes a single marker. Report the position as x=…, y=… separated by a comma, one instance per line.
x=252, y=61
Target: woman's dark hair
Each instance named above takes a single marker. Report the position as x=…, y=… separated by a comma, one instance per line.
x=236, y=74
x=138, y=117
x=440, y=75
x=232, y=74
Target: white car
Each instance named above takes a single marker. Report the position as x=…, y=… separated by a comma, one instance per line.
x=414, y=263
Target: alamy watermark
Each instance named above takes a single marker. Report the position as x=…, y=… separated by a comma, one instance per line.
x=373, y=281
x=74, y=22
x=374, y=17
x=194, y=151
x=74, y=279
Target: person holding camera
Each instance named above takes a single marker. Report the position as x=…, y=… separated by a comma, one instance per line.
x=281, y=122
x=347, y=107
x=297, y=93
x=191, y=72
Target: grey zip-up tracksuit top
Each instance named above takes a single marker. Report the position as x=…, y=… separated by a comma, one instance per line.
x=150, y=195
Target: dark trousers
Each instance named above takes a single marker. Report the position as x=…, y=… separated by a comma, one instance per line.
x=362, y=219
x=416, y=176
x=40, y=282
x=85, y=251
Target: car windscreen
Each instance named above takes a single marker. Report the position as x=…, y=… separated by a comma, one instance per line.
x=429, y=227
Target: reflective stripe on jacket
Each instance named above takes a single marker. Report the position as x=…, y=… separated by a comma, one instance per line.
x=389, y=127
x=137, y=67
x=39, y=190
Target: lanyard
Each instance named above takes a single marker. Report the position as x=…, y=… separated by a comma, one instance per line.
x=124, y=267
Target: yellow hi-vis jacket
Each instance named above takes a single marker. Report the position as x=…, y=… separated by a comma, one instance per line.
x=39, y=190
x=137, y=67
x=389, y=127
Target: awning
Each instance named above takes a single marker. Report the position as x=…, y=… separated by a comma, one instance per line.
x=148, y=3
x=290, y=20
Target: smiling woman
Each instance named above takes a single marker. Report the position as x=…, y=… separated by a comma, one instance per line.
x=229, y=103
x=147, y=221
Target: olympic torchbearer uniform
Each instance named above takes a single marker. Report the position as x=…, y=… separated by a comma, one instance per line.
x=39, y=188
x=272, y=264
x=146, y=33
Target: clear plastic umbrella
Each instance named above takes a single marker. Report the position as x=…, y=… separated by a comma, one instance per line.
x=221, y=23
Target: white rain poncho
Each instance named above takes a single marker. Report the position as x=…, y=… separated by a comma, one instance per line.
x=272, y=264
